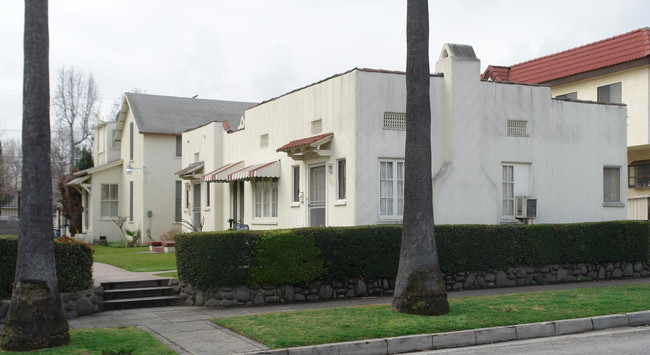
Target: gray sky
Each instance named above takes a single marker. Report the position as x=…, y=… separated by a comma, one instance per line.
x=246, y=50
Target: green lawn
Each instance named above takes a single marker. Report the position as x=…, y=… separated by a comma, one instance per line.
x=129, y=340
x=135, y=259
x=287, y=329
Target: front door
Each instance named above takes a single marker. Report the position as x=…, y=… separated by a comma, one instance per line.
x=196, y=207
x=317, y=196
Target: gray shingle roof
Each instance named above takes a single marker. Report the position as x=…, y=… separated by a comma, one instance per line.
x=157, y=114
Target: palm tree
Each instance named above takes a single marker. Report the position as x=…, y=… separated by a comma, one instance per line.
x=36, y=318
x=419, y=287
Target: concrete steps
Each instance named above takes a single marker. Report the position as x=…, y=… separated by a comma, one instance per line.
x=138, y=294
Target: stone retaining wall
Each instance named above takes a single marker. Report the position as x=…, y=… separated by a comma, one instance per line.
x=318, y=291
x=76, y=304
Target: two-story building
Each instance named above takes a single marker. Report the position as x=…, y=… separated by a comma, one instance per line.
x=137, y=157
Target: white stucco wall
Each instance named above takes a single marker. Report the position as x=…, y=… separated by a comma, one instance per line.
x=204, y=144
x=288, y=118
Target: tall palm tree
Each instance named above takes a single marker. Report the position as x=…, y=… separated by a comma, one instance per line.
x=36, y=318
x=419, y=288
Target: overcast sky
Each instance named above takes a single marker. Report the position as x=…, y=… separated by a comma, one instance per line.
x=245, y=50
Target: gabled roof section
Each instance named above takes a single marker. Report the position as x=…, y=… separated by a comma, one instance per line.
x=496, y=73
x=609, y=52
x=169, y=115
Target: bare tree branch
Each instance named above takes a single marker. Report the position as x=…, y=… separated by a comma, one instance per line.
x=75, y=103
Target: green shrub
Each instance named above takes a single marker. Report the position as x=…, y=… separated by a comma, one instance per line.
x=231, y=258
x=284, y=257
x=210, y=259
x=74, y=260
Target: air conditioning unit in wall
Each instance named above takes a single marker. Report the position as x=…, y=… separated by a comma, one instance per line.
x=525, y=207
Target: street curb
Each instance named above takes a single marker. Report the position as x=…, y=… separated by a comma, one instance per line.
x=412, y=343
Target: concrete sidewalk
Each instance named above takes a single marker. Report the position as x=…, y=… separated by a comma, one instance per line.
x=110, y=273
x=187, y=330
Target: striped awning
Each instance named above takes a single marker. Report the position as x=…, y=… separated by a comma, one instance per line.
x=270, y=170
x=221, y=174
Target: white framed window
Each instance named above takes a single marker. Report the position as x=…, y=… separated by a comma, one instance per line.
x=317, y=126
x=395, y=121
x=264, y=140
x=340, y=179
x=610, y=93
x=109, y=200
x=612, y=185
x=391, y=188
x=507, y=191
x=515, y=182
x=266, y=198
x=295, y=195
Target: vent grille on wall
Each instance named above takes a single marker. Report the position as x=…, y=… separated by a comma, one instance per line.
x=396, y=121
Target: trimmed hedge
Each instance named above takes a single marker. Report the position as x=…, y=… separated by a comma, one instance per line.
x=74, y=261
x=210, y=259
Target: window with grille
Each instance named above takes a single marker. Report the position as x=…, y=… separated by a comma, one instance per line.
x=396, y=121
x=316, y=127
x=517, y=128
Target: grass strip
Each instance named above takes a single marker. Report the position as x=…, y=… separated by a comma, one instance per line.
x=288, y=329
x=135, y=259
x=129, y=340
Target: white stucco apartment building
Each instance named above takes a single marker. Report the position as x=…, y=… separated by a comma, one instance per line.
x=332, y=153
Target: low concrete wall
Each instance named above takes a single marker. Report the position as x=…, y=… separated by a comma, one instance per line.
x=75, y=304
x=317, y=291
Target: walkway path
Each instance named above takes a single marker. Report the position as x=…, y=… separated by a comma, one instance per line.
x=187, y=330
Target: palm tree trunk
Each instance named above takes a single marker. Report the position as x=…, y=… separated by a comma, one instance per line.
x=36, y=318
x=419, y=287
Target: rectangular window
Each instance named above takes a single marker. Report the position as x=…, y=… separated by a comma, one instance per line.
x=109, y=200
x=568, y=96
x=207, y=194
x=611, y=185
x=639, y=174
x=395, y=121
x=391, y=188
x=179, y=146
x=507, y=191
x=296, y=184
x=131, y=141
x=131, y=201
x=178, y=196
x=610, y=93
x=266, y=198
x=515, y=182
x=341, y=179
x=264, y=140
x=517, y=128
x=317, y=126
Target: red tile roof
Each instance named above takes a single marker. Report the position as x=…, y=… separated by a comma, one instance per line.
x=605, y=53
x=303, y=142
x=496, y=73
